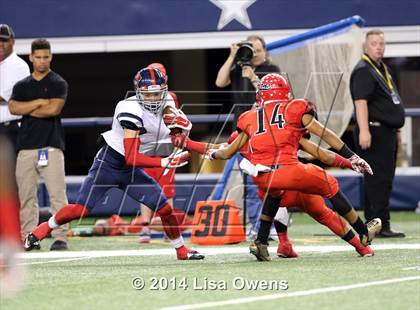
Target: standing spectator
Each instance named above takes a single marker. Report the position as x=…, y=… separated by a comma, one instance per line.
x=12, y=69
x=379, y=114
x=40, y=98
x=244, y=75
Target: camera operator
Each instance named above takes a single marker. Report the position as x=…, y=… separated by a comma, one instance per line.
x=246, y=64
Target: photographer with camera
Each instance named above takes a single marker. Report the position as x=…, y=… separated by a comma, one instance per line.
x=246, y=64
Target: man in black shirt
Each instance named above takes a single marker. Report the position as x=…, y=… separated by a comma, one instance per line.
x=379, y=114
x=244, y=77
x=39, y=98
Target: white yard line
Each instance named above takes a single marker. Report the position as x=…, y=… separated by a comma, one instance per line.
x=55, y=261
x=412, y=268
x=317, y=291
x=208, y=251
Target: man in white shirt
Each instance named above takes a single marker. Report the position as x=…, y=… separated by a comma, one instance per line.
x=12, y=69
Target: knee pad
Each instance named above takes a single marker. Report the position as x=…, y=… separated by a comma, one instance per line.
x=341, y=204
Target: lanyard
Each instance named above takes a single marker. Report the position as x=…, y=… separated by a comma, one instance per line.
x=387, y=78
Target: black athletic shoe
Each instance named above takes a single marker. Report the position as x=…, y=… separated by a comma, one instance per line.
x=31, y=243
x=389, y=233
x=184, y=253
x=195, y=255
x=58, y=245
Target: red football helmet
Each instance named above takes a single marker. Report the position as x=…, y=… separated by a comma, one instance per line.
x=273, y=87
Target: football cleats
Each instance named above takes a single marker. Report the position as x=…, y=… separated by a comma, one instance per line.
x=374, y=227
x=273, y=87
x=285, y=250
x=179, y=140
x=260, y=251
x=151, y=89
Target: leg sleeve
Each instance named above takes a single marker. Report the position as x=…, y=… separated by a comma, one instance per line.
x=314, y=205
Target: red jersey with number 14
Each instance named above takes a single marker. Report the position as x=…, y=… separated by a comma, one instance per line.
x=274, y=131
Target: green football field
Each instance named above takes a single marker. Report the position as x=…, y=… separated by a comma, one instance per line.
x=100, y=272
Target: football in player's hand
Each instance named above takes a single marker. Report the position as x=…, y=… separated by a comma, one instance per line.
x=169, y=110
x=175, y=131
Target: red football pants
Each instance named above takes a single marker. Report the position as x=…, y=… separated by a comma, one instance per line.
x=305, y=178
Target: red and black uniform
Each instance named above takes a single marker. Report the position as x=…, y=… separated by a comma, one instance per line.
x=274, y=132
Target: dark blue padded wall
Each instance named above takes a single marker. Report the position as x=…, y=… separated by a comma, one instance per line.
x=405, y=194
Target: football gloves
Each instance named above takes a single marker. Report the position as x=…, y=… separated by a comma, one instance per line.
x=177, y=119
x=179, y=140
x=175, y=160
x=360, y=165
x=210, y=154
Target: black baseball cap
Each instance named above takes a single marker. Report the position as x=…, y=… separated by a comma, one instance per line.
x=6, y=32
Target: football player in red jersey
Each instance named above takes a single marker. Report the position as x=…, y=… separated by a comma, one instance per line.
x=274, y=130
x=313, y=205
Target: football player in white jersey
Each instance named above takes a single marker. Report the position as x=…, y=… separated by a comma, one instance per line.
x=137, y=129
x=165, y=177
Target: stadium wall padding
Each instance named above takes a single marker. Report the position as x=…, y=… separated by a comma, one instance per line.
x=405, y=194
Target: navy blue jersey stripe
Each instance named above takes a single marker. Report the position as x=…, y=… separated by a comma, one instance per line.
x=125, y=114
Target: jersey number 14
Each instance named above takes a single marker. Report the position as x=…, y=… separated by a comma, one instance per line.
x=276, y=119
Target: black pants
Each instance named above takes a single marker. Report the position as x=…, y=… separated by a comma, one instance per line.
x=381, y=156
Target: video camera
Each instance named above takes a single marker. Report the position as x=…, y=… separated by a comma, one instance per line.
x=244, y=54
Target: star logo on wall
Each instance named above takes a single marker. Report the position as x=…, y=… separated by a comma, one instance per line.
x=233, y=9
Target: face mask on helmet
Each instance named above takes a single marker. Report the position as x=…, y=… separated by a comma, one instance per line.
x=273, y=87
x=151, y=89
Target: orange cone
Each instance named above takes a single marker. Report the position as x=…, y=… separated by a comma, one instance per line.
x=217, y=222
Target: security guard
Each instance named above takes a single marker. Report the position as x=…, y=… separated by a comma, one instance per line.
x=379, y=115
